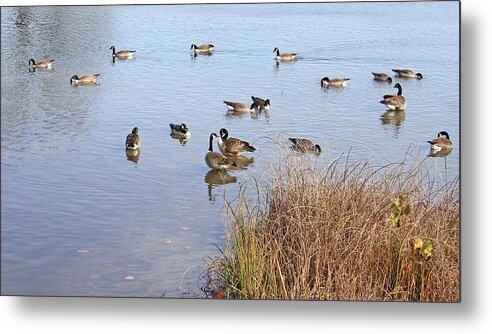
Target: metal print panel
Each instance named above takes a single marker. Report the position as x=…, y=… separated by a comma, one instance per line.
x=305, y=151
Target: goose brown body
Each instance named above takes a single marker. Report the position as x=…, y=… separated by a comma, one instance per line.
x=84, y=78
x=382, y=77
x=305, y=145
x=43, y=63
x=406, y=73
x=179, y=130
x=205, y=48
x=395, y=101
x=133, y=140
x=232, y=146
x=442, y=142
x=336, y=82
x=122, y=53
x=239, y=107
x=284, y=56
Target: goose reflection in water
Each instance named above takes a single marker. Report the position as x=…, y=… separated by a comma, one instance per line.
x=133, y=155
x=242, y=162
x=86, y=84
x=195, y=54
x=34, y=69
x=181, y=140
x=443, y=153
x=264, y=114
x=240, y=114
x=284, y=61
x=215, y=178
x=253, y=114
x=395, y=118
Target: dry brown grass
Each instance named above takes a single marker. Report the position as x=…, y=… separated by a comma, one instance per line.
x=334, y=233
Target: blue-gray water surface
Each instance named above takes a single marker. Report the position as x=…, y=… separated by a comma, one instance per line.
x=79, y=218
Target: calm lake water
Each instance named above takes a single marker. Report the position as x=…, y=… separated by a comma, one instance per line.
x=79, y=218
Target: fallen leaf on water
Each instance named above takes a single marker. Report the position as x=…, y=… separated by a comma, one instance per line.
x=129, y=278
x=167, y=241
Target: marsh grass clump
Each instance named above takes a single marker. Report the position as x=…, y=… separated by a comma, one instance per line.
x=346, y=231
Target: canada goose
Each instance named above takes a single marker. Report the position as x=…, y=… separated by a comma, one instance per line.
x=305, y=145
x=215, y=160
x=123, y=53
x=259, y=103
x=442, y=142
x=232, y=146
x=179, y=130
x=45, y=63
x=284, y=56
x=406, y=73
x=205, y=48
x=395, y=102
x=133, y=140
x=84, y=79
x=326, y=82
x=382, y=77
x=239, y=107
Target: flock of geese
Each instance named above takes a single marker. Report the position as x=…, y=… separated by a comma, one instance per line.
x=231, y=148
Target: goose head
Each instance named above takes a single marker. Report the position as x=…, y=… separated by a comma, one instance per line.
x=317, y=149
x=73, y=79
x=419, y=75
x=443, y=134
x=223, y=133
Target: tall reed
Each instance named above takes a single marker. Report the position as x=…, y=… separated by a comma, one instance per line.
x=345, y=231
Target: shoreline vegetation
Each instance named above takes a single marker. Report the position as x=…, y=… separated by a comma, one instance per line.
x=347, y=231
